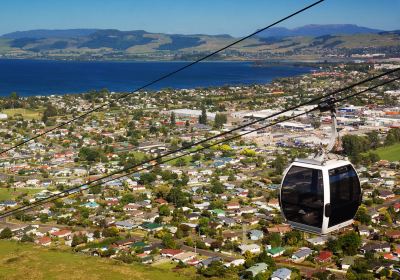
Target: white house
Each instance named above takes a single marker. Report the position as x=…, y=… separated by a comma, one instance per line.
x=252, y=248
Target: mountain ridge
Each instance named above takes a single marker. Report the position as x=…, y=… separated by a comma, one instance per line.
x=319, y=30
x=139, y=44
x=47, y=33
x=306, y=30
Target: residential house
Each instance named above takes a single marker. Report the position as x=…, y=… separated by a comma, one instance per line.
x=184, y=257
x=281, y=229
x=43, y=241
x=91, y=204
x=170, y=253
x=275, y=252
x=396, y=207
x=207, y=262
x=256, y=234
x=257, y=268
x=318, y=241
x=233, y=206
x=218, y=212
x=364, y=231
x=378, y=247
x=281, y=274
x=127, y=225
x=347, y=261
x=227, y=221
x=274, y=203
x=8, y=203
x=393, y=234
x=301, y=254
x=231, y=235
x=324, y=256
x=386, y=194
x=374, y=215
x=130, y=207
x=390, y=256
x=145, y=258
x=252, y=248
x=236, y=262
x=202, y=206
x=151, y=226
x=64, y=233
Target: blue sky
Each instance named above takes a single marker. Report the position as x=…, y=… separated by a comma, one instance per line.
x=235, y=17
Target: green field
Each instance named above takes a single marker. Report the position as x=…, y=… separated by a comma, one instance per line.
x=10, y=194
x=25, y=113
x=391, y=153
x=27, y=261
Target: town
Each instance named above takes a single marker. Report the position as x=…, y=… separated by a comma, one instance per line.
x=214, y=213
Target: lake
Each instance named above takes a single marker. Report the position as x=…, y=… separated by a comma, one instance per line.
x=45, y=77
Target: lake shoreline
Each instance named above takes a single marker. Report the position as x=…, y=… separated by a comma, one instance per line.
x=55, y=77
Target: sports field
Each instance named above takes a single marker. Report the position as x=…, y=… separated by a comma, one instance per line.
x=391, y=153
x=27, y=261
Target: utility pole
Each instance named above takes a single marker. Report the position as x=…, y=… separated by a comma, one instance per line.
x=244, y=235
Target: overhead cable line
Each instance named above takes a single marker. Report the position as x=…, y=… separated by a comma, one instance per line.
x=159, y=160
x=163, y=77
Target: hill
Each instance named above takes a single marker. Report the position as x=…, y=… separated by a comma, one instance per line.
x=318, y=30
x=45, y=33
x=25, y=261
x=307, y=42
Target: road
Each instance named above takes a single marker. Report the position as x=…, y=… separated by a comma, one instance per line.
x=45, y=226
x=208, y=253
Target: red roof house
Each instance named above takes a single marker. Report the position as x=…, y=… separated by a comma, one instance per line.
x=44, y=241
x=64, y=233
x=324, y=256
x=170, y=252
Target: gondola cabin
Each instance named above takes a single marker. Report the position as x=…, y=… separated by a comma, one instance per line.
x=320, y=196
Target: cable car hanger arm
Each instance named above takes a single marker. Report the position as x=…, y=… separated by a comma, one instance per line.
x=324, y=106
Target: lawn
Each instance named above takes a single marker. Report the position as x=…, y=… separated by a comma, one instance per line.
x=391, y=153
x=25, y=113
x=27, y=261
x=10, y=194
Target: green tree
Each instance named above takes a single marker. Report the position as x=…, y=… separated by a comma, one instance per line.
x=373, y=138
x=147, y=178
x=125, y=257
x=177, y=196
x=293, y=237
x=279, y=164
x=50, y=111
x=14, y=95
x=91, y=154
x=393, y=136
x=168, y=241
x=180, y=162
x=110, y=232
x=362, y=216
x=163, y=210
x=354, y=145
x=26, y=238
x=360, y=270
x=349, y=243
x=203, y=116
x=373, y=157
x=220, y=120
x=172, y=119
x=215, y=269
x=6, y=233
x=216, y=186
x=274, y=239
x=127, y=198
